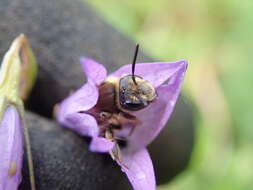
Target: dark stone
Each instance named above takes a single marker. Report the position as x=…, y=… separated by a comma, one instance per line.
x=60, y=32
x=63, y=162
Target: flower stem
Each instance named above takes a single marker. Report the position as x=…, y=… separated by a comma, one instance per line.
x=29, y=157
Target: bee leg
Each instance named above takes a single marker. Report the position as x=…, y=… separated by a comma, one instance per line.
x=127, y=119
x=109, y=135
x=104, y=115
x=119, y=138
x=115, y=152
x=116, y=155
x=131, y=130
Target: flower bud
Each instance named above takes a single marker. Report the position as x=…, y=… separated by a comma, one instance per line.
x=17, y=74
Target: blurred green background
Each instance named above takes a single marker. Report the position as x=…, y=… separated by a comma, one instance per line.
x=215, y=36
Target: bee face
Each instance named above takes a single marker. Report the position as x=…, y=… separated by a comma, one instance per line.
x=134, y=97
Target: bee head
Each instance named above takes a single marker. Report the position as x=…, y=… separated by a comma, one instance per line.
x=135, y=93
x=134, y=96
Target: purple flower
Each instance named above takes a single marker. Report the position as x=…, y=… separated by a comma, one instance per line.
x=79, y=112
x=11, y=149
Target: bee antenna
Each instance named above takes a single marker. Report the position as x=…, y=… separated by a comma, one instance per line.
x=134, y=62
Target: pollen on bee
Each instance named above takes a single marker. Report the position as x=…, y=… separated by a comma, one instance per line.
x=12, y=169
x=112, y=80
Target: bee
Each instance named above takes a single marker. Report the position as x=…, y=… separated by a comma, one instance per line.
x=118, y=99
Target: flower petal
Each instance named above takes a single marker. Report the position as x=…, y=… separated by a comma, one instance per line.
x=139, y=171
x=155, y=116
x=93, y=70
x=11, y=150
x=155, y=73
x=82, y=123
x=70, y=113
x=99, y=144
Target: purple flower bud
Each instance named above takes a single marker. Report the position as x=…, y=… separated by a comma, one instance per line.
x=17, y=74
x=11, y=149
x=95, y=111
